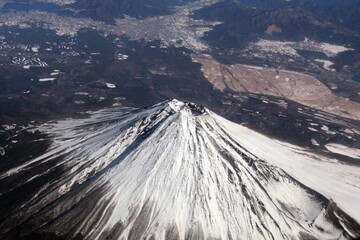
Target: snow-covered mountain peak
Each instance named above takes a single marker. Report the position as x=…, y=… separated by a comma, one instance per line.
x=179, y=171
x=186, y=107
x=176, y=105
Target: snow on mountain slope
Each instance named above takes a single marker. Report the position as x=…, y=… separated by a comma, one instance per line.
x=178, y=171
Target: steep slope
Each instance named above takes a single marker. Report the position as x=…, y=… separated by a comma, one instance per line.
x=176, y=171
x=346, y=14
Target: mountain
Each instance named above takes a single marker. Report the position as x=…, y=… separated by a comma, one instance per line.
x=346, y=14
x=273, y=4
x=226, y=11
x=294, y=22
x=108, y=10
x=265, y=5
x=343, y=13
x=175, y=170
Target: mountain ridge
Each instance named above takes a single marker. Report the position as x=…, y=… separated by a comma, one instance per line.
x=174, y=170
x=108, y=10
x=242, y=24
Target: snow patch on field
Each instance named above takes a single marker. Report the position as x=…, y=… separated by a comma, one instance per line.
x=332, y=50
x=326, y=64
x=289, y=48
x=29, y=62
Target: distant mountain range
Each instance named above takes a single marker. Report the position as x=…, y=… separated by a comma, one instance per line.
x=273, y=4
x=293, y=21
x=346, y=14
x=244, y=19
x=107, y=10
x=343, y=13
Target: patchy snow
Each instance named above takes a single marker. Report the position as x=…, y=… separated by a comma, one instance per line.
x=122, y=56
x=110, y=85
x=289, y=48
x=326, y=64
x=343, y=150
x=178, y=29
x=314, y=142
x=35, y=49
x=284, y=48
x=46, y=79
x=61, y=2
x=29, y=62
x=82, y=93
x=2, y=151
x=313, y=129
x=332, y=50
x=9, y=127
x=327, y=130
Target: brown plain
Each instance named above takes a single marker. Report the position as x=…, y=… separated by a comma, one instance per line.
x=298, y=87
